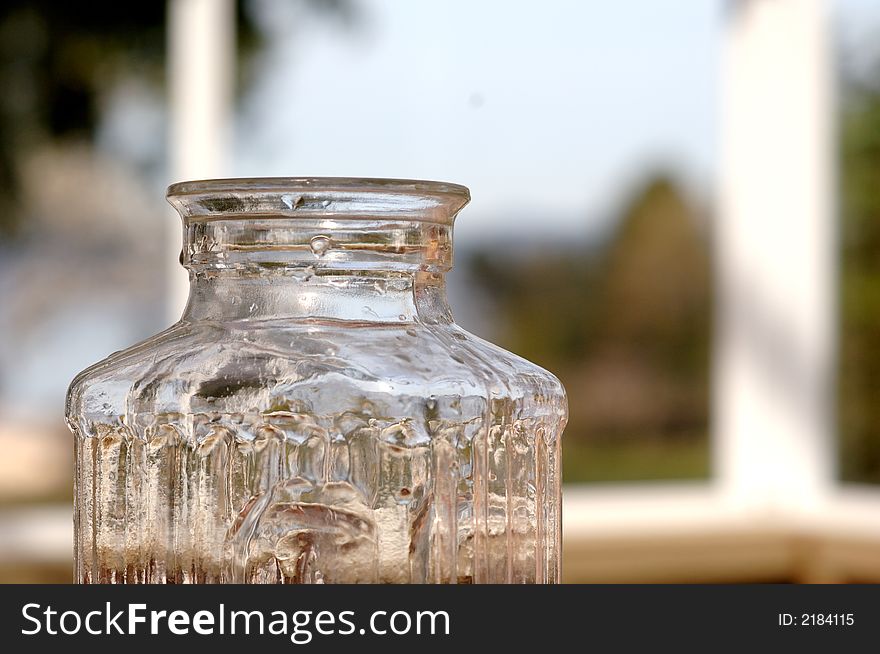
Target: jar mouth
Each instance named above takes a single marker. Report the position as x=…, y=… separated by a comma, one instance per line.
x=285, y=224
x=330, y=197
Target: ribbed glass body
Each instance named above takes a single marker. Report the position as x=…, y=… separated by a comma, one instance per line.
x=316, y=416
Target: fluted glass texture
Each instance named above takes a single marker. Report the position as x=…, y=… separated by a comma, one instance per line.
x=316, y=415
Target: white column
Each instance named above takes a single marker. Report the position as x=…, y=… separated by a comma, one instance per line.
x=775, y=239
x=201, y=69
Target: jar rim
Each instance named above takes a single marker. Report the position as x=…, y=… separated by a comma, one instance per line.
x=342, y=198
x=324, y=222
x=416, y=187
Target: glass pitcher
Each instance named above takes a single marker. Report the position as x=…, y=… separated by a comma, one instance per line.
x=316, y=415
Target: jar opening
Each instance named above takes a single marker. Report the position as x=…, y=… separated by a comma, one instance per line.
x=331, y=197
x=328, y=223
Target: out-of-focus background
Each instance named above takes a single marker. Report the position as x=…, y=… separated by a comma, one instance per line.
x=676, y=208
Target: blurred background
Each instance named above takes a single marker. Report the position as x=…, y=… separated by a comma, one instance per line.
x=676, y=208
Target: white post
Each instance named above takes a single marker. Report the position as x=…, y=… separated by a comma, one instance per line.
x=775, y=251
x=201, y=67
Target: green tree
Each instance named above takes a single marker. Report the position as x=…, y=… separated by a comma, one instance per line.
x=626, y=327
x=57, y=58
x=859, y=369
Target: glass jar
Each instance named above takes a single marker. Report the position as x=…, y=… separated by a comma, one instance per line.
x=316, y=416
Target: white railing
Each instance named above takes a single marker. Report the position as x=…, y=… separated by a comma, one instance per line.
x=201, y=73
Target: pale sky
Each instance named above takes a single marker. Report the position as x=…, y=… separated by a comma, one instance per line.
x=548, y=111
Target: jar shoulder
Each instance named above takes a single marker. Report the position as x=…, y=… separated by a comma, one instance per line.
x=102, y=388
x=229, y=367
x=512, y=370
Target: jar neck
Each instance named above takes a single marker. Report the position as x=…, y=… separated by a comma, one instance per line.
x=319, y=296
x=367, y=250
x=323, y=223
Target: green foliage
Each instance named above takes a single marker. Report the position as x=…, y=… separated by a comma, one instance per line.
x=859, y=354
x=626, y=327
x=648, y=459
x=57, y=58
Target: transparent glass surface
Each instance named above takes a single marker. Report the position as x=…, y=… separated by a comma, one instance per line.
x=316, y=415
